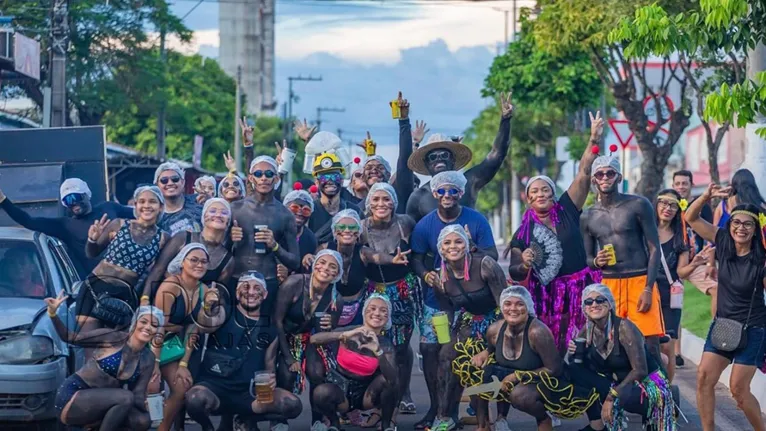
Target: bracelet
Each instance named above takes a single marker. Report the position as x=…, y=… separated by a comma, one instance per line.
x=276, y=247
x=157, y=360
x=613, y=393
x=379, y=353
x=183, y=364
x=91, y=241
x=52, y=315
x=145, y=297
x=594, y=263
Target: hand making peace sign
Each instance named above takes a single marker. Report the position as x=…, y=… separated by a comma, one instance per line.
x=97, y=228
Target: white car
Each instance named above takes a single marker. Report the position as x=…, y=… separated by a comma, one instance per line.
x=34, y=361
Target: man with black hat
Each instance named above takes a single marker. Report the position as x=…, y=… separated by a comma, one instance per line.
x=442, y=153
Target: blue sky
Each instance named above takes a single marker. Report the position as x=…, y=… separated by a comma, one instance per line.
x=437, y=53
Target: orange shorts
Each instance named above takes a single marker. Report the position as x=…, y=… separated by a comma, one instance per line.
x=626, y=293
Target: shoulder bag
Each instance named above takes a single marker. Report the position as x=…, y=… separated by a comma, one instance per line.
x=676, y=287
x=729, y=335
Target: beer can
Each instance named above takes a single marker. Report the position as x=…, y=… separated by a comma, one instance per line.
x=369, y=147
x=396, y=111
x=612, y=255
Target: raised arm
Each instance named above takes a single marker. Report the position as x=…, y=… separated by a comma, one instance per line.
x=160, y=267
x=405, y=183
x=479, y=175
x=578, y=191
x=541, y=341
x=652, y=238
x=286, y=297
x=704, y=229
x=52, y=226
x=100, y=235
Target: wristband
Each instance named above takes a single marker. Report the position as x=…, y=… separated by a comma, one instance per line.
x=91, y=241
x=613, y=393
x=594, y=263
x=276, y=247
x=52, y=315
x=379, y=353
x=183, y=364
x=145, y=297
x=157, y=360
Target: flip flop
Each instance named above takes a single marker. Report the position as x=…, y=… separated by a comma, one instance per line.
x=370, y=423
x=407, y=408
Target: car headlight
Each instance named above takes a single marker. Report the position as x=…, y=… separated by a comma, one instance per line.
x=25, y=349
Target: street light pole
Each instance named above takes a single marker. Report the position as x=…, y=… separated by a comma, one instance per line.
x=755, y=154
x=237, y=116
x=60, y=42
x=291, y=97
x=319, y=114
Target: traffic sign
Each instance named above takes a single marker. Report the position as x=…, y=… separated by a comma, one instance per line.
x=650, y=109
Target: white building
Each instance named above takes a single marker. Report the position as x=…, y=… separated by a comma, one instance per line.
x=247, y=41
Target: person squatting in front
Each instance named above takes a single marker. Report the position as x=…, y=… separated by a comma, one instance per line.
x=364, y=375
x=626, y=223
x=244, y=345
x=189, y=305
x=470, y=287
x=307, y=303
x=109, y=391
x=547, y=250
x=108, y=296
x=615, y=361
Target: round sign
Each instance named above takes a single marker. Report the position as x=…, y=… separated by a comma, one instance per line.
x=650, y=109
x=661, y=138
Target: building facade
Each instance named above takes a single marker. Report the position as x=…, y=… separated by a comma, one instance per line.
x=247, y=42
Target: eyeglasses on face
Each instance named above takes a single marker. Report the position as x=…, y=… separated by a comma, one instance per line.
x=195, y=261
x=435, y=156
x=347, y=227
x=451, y=192
x=218, y=212
x=332, y=177
x=174, y=179
x=600, y=175
x=600, y=300
x=296, y=209
x=667, y=204
x=260, y=173
x=736, y=224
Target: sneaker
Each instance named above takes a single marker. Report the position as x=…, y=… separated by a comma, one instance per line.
x=680, y=361
x=319, y=426
x=502, y=425
x=442, y=425
x=280, y=427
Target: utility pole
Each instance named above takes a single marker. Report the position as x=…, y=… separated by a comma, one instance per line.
x=237, y=116
x=161, y=115
x=292, y=97
x=755, y=154
x=59, y=47
x=319, y=114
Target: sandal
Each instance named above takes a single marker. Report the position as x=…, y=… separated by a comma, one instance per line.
x=407, y=408
x=423, y=424
x=373, y=420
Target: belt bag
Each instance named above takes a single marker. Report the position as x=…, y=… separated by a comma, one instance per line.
x=729, y=335
x=111, y=310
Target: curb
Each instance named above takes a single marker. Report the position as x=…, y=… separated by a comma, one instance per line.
x=692, y=347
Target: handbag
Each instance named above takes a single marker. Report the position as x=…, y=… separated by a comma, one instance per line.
x=172, y=350
x=729, y=335
x=676, y=287
x=111, y=310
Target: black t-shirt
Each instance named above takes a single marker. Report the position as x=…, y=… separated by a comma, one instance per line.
x=737, y=278
x=671, y=257
x=71, y=231
x=188, y=218
x=568, y=233
x=239, y=338
x=320, y=221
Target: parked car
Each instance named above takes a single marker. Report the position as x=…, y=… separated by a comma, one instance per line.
x=34, y=361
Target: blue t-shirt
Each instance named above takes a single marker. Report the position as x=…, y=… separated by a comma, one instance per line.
x=427, y=231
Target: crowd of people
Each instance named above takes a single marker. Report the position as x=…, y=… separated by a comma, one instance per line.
x=234, y=300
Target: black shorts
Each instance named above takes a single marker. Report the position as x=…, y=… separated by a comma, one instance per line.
x=672, y=318
x=233, y=399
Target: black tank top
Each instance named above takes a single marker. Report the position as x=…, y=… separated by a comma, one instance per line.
x=528, y=360
x=355, y=276
x=389, y=273
x=477, y=303
x=295, y=319
x=617, y=361
x=215, y=273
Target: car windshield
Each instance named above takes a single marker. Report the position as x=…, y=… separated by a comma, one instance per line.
x=21, y=273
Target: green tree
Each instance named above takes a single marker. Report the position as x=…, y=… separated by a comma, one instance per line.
x=111, y=58
x=710, y=44
x=585, y=25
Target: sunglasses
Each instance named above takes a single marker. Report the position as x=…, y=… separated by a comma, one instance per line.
x=347, y=227
x=174, y=179
x=598, y=300
x=358, y=174
x=259, y=174
x=608, y=174
x=334, y=177
x=436, y=156
x=195, y=261
x=218, y=212
x=374, y=167
x=73, y=199
x=736, y=224
x=451, y=192
x=227, y=184
x=302, y=210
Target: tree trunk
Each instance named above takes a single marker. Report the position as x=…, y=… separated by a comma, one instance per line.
x=654, y=158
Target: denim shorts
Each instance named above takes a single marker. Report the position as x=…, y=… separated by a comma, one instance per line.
x=753, y=352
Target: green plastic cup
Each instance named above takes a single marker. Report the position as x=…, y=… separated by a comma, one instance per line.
x=440, y=323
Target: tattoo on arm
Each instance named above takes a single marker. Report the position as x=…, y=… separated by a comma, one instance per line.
x=633, y=342
x=492, y=274
x=387, y=362
x=290, y=254
x=160, y=268
x=541, y=341
x=285, y=298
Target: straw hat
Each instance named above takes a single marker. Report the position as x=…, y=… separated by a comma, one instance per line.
x=417, y=161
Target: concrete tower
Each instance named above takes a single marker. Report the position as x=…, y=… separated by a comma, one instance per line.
x=247, y=40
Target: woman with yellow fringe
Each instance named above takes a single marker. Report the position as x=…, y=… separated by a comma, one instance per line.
x=521, y=365
x=471, y=284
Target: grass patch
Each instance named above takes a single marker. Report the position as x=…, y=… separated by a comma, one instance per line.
x=696, y=315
